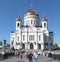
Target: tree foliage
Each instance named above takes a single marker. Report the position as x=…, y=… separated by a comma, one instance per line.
x=55, y=45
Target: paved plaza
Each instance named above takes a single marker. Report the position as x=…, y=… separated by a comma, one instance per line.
x=24, y=59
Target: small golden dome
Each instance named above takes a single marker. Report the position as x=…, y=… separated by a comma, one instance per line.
x=18, y=19
x=31, y=12
x=44, y=19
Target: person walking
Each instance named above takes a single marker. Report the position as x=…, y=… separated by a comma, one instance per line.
x=50, y=55
x=18, y=53
x=30, y=57
x=36, y=57
x=21, y=54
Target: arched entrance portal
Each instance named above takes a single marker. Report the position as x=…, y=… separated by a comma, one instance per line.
x=39, y=46
x=12, y=48
x=23, y=46
x=31, y=46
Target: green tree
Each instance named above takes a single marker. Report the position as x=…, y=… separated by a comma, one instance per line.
x=55, y=45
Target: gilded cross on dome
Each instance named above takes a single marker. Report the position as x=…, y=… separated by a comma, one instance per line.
x=31, y=6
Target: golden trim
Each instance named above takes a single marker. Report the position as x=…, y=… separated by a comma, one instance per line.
x=18, y=19
x=44, y=19
x=17, y=43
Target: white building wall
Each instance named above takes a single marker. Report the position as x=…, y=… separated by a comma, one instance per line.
x=29, y=31
x=12, y=35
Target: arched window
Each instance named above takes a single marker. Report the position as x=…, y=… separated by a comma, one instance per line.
x=34, y=21
x=31, y=46
x=31, y=21
x=23, y=46
x=39, y=37
x=39, y=46
x=44, y=24
x=18, y=24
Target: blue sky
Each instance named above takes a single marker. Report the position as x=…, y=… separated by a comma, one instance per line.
x=10, y=9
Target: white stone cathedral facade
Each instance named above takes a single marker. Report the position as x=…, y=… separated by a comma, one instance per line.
x=33, y=34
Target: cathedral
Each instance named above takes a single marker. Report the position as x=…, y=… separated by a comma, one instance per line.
x=33, y=34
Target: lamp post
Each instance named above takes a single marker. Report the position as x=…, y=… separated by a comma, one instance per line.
x=4, y=45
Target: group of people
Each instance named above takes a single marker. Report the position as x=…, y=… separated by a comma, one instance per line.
x=35, y=56
x=30, y=56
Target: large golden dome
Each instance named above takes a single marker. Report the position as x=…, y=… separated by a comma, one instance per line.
x=44, y=19
x=31, y=12
x=18, y=19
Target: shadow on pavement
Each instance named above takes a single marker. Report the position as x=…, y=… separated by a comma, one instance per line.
x=56, y=56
